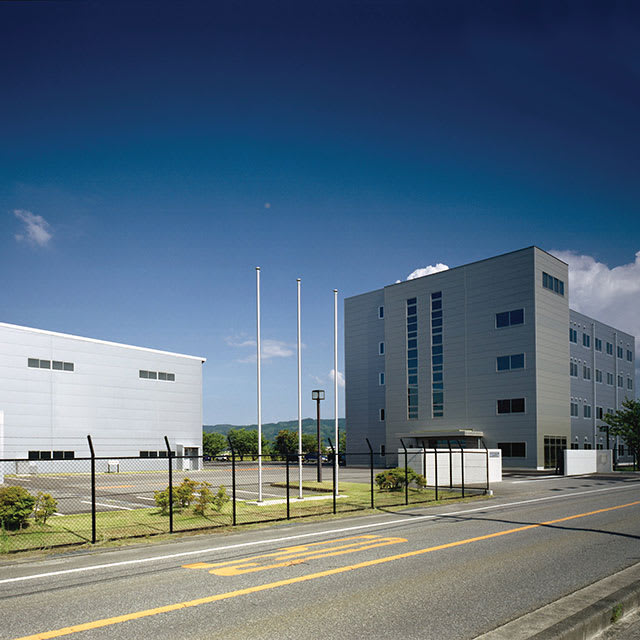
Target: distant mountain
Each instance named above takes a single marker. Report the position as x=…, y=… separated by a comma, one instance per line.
x=270, y=429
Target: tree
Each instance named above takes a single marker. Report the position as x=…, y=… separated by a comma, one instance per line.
x=44, y=507
x=286, y=442
x=625, y=423
x=245, y=442
x=213, y=444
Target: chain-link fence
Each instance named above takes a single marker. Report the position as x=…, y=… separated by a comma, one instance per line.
x=48, y=503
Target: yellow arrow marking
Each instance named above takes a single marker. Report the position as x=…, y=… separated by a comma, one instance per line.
x=298, y=554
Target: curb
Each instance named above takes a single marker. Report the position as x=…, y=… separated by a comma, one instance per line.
x=580, y=615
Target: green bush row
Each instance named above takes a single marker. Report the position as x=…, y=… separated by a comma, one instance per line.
x=396, y=479
x=189, y=493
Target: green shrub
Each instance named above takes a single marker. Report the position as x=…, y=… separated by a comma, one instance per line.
x=45, y=506
x=16, y=505
x=394, y=479
x=185, y=492
x=206, y=498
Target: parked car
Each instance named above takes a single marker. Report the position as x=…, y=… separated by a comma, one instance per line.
x=312, y=458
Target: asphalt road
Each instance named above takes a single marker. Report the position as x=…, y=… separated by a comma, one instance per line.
x=451, y=572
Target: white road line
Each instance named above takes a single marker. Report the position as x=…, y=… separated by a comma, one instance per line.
x=343, y=530
x=544, y=478
x=111, y=506
x=255, y=493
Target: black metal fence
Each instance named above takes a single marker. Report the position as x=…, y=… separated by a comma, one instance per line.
x=95, y=499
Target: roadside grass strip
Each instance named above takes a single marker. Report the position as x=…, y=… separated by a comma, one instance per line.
x=123, y=518
x=137, y=615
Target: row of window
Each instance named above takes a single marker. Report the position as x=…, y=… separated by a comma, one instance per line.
x=158, y=375
x=58, y=365
x=586, y=410
x=437, y=356
x=412, y=359
x=52, y=455
x=553, y=284
x=586, y=342
x=155, y=454
x=586, y=375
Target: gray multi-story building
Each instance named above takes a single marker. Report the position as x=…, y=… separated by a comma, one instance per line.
x=481, y=353
x=55, y=389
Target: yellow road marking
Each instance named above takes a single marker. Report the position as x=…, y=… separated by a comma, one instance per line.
x=118, y=486
x=298, y=554
x=105, y=622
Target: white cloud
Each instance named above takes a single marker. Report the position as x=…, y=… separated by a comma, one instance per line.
x=427, y=271
x=328, y=379
x=609, y=295
x=268, y=348
x=36, y=228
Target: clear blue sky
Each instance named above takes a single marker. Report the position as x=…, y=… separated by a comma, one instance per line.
x=160, y=151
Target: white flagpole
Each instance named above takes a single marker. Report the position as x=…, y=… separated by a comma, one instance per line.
x=299, y=401
x=335, y=382
x=259, y=386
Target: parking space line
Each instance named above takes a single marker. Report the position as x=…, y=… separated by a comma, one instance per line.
x=111, y=506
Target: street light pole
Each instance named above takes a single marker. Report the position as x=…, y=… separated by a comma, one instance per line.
x=317, y=395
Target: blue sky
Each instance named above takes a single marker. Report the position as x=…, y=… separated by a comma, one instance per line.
x=159, y=151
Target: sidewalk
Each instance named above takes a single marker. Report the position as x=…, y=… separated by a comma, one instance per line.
x=580, y=615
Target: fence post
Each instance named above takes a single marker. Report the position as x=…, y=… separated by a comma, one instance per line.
x=450, y=465
x=406, y=473
x=286, y=457
x=170, y=454
x=335, y=460
x=233, y=479
x=461, y=465
x=486, y=491
x=371, y=469
x=424, y=463
x=93, y=491
x=435, y=462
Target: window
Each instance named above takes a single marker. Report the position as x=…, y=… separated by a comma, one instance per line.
x=51, y=455
x=574, y=409
x=609, y=349
x=598, y=344
x=56, y=365
x=573, y=336
x=599, y=413
x=587, y=410
x=620, y=381
x=157, y=375
x=509, y=318
x=586, y=340
x=598, y=375
x=508, y=363
x=513, y=449
x=511, y=405
x=573, y=369
x=609, y=378
x=630, y=384
x=381, y=378
x=380, y=312
x=381, y=348
x=588, y=445
x=629, y=355
x=586, y=372
x=381, y=415
x=574, y=445
x=553, y=284
x=620, y=351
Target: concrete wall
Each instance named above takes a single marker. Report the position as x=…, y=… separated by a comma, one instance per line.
x=475, y=465
x=51, y=410
x=579, y=462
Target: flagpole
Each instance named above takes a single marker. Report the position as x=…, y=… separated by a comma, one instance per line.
x=335, y=383
x=299, y=400
x=259, y=385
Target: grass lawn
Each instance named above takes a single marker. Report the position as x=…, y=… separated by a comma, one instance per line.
x=113, y=524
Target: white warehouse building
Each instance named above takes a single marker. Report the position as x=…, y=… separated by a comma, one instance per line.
x=55, y=389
